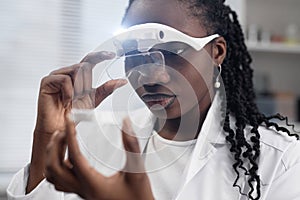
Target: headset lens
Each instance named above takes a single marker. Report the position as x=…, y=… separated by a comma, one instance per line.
x=134, y=62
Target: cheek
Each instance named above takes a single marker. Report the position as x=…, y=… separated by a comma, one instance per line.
x=197, y=69
x=201, y=70
x=199, y=79
x=191, y=94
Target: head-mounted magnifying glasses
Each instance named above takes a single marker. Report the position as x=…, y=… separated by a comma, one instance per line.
x=150, y=45
x=144, y=50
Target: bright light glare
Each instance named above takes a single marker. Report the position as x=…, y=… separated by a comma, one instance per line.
x=119, y=30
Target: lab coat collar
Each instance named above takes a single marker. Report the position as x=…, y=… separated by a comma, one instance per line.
x=210, y=134
x=212, y=128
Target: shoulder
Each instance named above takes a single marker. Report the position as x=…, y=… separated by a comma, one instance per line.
x=279, y=152
x=287, y=147
x=276, y=139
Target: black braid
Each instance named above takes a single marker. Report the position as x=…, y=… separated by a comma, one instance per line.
x=240, y=96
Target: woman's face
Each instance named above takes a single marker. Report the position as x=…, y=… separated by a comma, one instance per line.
x=186, y=81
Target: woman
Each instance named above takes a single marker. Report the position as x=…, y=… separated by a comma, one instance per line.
x=252, y=158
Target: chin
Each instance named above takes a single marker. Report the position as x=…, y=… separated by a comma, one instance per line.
x=173, y=111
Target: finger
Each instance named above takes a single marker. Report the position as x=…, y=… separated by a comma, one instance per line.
x=66, y=181
x=107, y=88
x=80, y=165
x=130, y=142
x=55, y=157
x=75, y=157
x=57, y=172
x=94, y=58
x=78, y=83
x=87, y=78
x=134, y=163
x=58, y=84
x=90, y=61
x=70, y=70
x=63, y=187
x=74, y=153
x=76, y=75
x=57, y=148
x=68, y=163
x=81, y=74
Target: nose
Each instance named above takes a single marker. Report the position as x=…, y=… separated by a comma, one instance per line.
x=154, y=74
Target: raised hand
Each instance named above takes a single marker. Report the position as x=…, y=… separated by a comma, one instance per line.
x=77, y=176
x=61, y=89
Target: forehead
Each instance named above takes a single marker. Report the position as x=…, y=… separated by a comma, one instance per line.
x=168, y=12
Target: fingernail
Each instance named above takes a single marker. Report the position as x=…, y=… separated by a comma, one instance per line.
x=122, y=82
x=107, y=53
x=127, y=125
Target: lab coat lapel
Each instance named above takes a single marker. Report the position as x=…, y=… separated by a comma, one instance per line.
x=211, y=133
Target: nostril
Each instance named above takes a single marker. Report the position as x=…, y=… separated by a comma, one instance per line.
x=151, y=87
x=154, y=79
x=147, y=80
x=152, y=75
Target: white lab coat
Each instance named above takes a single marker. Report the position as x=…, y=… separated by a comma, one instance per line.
x=209, y=176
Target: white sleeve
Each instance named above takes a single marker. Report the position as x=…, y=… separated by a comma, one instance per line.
x=45, y=190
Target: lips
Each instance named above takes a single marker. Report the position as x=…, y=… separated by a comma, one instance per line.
x=163, y=100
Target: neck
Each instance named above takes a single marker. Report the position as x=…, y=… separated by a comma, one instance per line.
x=187, y=126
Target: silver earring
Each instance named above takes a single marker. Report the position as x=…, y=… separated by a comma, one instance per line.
x=217, y=83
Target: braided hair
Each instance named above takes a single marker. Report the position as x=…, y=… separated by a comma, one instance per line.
x=240, y=95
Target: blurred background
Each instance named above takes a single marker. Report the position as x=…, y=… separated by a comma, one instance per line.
x=272, y=29
x=38, y=36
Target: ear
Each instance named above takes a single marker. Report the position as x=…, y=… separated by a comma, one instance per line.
x=219, y=50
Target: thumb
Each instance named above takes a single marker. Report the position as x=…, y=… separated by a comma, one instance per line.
x=107, y=88
x=134, y=161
